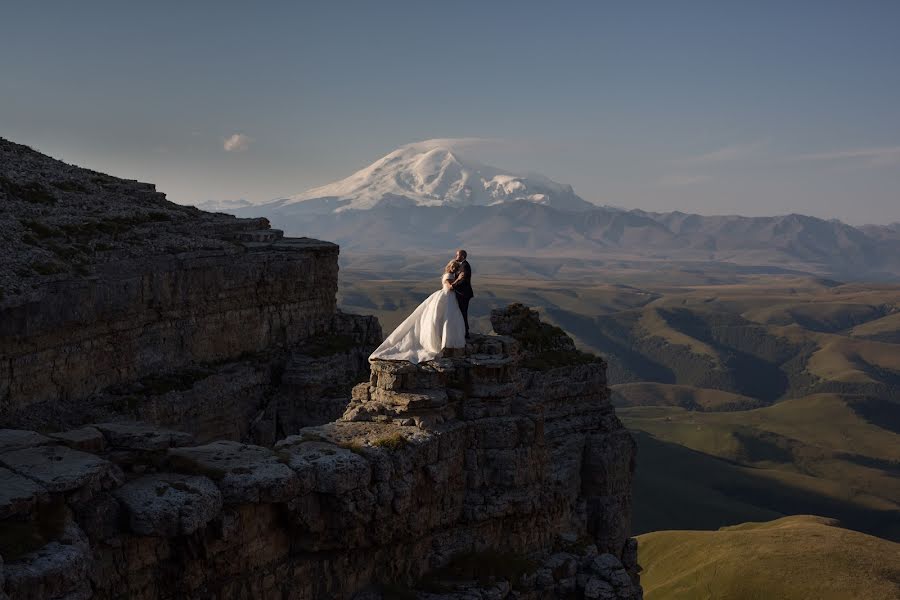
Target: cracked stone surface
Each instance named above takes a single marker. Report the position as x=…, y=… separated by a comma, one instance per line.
x=17, y=439
x=55, y=571
x=244, y=473
x=18, y=495
x=60, y=469
x=169, y=504
x=334, y=470
x=88, y=439
x=472, y=451
x=142, y=436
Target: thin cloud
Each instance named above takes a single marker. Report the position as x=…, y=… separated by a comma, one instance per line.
x=724, y=154
x=459, y=143
x=238, y=142
x=873, y=157
x=682, y=180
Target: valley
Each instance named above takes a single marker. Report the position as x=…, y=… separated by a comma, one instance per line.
x=752, y=396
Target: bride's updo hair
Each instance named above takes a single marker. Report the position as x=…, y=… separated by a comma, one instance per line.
x=452, y=267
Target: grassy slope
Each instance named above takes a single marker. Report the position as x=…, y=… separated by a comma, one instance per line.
x=765, y=337
x=685, y=396
x=797, y=557
x=392, y=299
x=809, y=455
x=885, y=329
x=678, y=488
x=845, y=359
x=711, y=342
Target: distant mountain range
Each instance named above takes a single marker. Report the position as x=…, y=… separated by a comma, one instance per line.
x=427, y=197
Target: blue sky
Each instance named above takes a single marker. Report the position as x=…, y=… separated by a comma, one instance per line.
x=712, y=107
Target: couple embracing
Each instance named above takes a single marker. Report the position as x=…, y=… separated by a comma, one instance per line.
x=441, y=321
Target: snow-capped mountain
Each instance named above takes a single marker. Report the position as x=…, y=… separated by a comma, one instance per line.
x=427, y=197
x=433, y=173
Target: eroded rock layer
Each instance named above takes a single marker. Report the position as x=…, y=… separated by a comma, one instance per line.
x=463, y=455
x=182, y=418
x=116, y=303
x=135, y=320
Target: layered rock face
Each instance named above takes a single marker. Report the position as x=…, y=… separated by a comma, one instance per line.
x=159, y=341
x=115, y=303
x=131, y=320
x=468, y=455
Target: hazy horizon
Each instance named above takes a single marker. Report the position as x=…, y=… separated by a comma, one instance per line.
x=760, y=109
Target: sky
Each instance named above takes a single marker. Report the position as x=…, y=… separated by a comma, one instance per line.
x=719, y=107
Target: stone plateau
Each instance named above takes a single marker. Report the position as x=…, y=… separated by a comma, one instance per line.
x=461, y=456
x=188, y=416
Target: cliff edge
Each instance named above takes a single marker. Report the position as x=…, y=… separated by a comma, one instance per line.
x=469, y=459
x=118, y=304
x=188, y=415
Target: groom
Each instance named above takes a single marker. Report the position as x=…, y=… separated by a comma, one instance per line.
x=463, y=287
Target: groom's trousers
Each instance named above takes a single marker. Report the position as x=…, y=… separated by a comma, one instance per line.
x=464, y=309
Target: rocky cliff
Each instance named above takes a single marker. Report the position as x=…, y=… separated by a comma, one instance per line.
x=471, y=459
x=181, y=423
x=117, y=303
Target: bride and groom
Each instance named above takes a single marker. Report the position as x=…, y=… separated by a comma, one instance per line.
x=441, y=321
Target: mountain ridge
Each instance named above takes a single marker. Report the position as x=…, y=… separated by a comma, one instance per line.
x=794, y=242
x=428, y=196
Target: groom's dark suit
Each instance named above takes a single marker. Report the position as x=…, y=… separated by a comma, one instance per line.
x=463, y=288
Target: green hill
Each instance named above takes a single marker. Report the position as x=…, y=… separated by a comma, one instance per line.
x=799, y=557
x=684, y=396
x=763, y=337
x=751, y=397
x=822, y=454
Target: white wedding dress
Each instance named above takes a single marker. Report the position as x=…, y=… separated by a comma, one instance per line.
x=436, y=324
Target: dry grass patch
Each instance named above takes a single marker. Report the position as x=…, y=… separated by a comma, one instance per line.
x=793, y=557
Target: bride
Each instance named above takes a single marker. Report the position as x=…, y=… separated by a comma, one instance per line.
x=436, y=324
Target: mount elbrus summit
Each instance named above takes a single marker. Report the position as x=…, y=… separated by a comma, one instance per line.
x=432, y=197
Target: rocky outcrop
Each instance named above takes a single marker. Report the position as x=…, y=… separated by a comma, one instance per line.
x=257, y=397
x=470, y=455
x=575, y=570
x=210, y=427
x=117, y=304
x=131, y=321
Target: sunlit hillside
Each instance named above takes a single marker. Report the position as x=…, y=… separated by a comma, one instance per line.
x=801, y=557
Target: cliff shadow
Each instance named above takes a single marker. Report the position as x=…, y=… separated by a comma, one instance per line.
x=679, y=488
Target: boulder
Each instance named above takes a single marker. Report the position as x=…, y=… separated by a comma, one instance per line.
x=525, y=326
x=335, y=470
x=60, y=569
x=604, y=564
x=61, y=469
x=608, y=568
x=169, y=504
x=142, y=436
x=597, y=589
x=18, y=495
x=88, y=439
x=17, y=439
x=55, y=571
x=562, y=564
x=243, y=472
